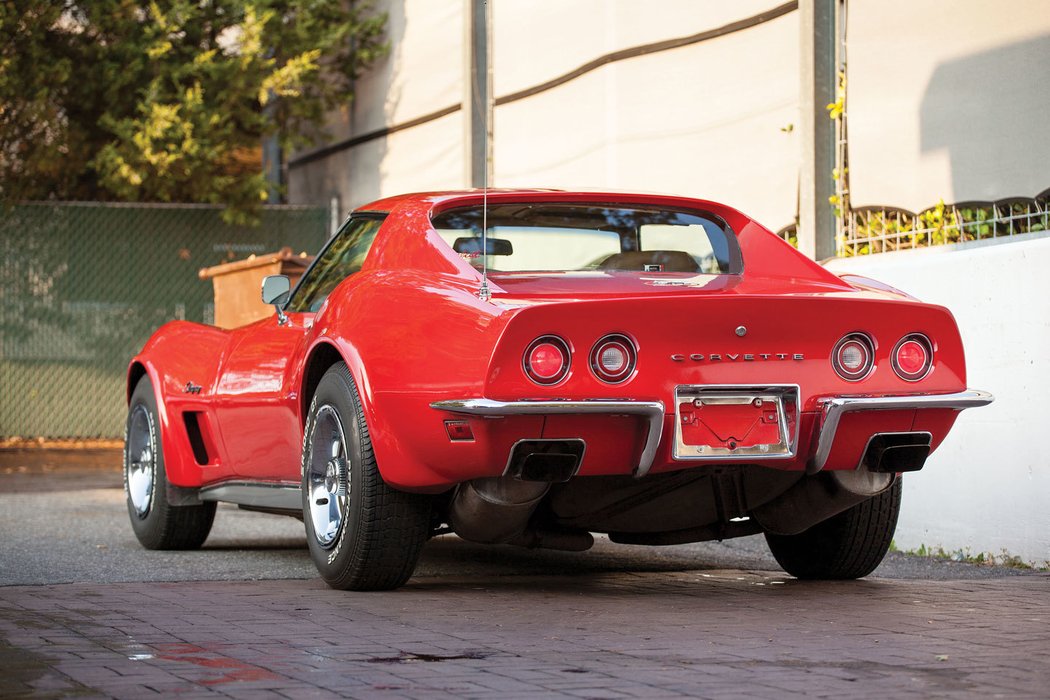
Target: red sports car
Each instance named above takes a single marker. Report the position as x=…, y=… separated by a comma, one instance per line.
x=532, y=367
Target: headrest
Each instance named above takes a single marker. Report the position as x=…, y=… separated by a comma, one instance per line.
x=667, y=260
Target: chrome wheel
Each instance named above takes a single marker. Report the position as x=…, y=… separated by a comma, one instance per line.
x=362, y=534
x=157, y=523
x=328, y=476
x=140, y=460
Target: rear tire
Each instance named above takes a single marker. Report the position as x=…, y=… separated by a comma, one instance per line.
x=363, y=535
x=849, y=545
x=157, y=523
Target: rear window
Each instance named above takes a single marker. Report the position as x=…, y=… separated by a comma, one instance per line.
x=566, y=237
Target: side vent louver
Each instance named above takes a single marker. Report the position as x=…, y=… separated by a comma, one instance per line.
x=193, y=430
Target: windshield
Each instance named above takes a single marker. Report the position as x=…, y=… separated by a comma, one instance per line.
x=565, y=237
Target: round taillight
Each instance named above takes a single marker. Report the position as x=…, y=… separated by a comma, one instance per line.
x=613, y=358
x=546, y=360
x=853, y=357
x=913, y=357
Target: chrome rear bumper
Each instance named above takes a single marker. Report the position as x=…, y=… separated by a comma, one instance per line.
x=835, y=408
x=653, y=411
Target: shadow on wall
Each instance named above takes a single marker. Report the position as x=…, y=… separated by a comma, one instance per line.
x=990, y=111
x=354, y=175
x=363, y=173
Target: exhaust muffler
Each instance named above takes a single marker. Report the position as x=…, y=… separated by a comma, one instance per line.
x=495, y=510
x=815, y=498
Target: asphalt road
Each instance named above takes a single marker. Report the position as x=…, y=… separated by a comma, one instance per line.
x=63, y=520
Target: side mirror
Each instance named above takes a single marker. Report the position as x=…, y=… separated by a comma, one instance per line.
x=276, y=290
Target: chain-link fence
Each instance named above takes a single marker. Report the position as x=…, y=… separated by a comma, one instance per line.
x=82, y=286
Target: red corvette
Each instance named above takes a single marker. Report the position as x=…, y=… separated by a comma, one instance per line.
x=532, y=367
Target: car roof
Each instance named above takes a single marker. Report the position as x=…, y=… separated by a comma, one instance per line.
x=442, y=199
x=388, y=204
x=765, y=254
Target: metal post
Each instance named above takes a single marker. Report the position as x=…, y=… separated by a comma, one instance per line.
x=817, y=41
x=477, y=94
x=273, y=166
x=272, y=157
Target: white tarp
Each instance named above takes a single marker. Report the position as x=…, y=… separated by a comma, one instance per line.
x=710, y=120
x=948, y=99
x=423, y=73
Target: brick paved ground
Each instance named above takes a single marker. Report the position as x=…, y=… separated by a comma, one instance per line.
x=718, y=634
x=479, y=622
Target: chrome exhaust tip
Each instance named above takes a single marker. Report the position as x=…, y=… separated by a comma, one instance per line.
x=550, y=461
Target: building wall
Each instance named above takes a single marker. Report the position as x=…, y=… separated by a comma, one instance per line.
x=987, y=488
x=422, y=73
x=713, y=119
x=948, y=100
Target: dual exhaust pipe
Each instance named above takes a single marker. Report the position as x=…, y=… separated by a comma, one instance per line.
x=817, y=497
x=497, y=510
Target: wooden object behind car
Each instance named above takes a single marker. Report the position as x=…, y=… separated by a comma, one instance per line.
x=236, y=285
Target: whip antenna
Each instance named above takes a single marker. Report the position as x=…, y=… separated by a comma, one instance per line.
x=483, y=292
x=479, y=41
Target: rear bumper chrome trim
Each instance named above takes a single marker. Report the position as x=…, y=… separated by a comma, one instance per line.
x=652, y=411
x=835, y=408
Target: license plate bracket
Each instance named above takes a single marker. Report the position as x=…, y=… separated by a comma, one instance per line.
x=735, y=422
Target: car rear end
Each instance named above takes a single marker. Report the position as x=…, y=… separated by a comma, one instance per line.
x=668, y=371
x=699, y=379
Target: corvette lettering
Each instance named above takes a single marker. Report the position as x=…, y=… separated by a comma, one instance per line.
x=738, y=357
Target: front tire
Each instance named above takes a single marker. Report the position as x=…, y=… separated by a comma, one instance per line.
x=157, y=523
x=363, y=535
x=849, y=545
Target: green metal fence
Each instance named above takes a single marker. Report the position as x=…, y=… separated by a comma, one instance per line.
x=83, y=285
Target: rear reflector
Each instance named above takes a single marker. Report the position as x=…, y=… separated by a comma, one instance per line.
x=546, y=360
x=458, y=430
x=853, y=357
x=913, y=357
x=613, y=358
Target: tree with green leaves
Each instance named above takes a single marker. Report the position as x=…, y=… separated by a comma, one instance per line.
x=169, y=100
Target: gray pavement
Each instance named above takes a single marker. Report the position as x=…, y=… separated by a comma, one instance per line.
x=85, y=611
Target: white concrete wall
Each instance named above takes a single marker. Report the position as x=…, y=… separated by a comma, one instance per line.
x=987, y=489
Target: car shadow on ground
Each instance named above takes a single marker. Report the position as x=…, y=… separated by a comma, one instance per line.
x=252, y=545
